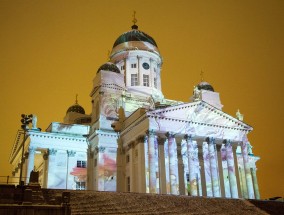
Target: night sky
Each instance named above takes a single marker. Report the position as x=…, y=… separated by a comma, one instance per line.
x=51, y=50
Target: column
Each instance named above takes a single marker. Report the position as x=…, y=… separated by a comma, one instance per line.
x=71, y=163
x=180, y=167
x=125, y=72
x=140, y=77
x=141, y=165
x=132, y=173
x=90, y=168
x=247, y=168
x=207, y=169
x=167, y=166
x=51, y=183
x=202, y=189
x=192, y=152
x=231, y=170
x=221, y=170
x=185, y=166
x=146, y=158
x=162, y=170
x=153, y=162
x=237, y=163
x=214, y=168
x=30, y=162
x=255, y=183
x=173, y=164
x=226, y=180
x=45, y=169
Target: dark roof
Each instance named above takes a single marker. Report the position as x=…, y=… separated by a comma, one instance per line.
x=205, y=86
x=134, y=35
x=76, y=108
x=109, y=67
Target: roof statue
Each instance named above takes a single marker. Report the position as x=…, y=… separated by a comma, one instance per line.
x=34, y=122
x=239, y=115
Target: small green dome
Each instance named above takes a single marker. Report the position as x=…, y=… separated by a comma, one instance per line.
x=205, y=86
x=109, y=67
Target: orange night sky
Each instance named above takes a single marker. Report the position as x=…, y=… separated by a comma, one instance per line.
x=51, y=50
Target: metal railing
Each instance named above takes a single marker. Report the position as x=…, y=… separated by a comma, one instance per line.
x=11, y=180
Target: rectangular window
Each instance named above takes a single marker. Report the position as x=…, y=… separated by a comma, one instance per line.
x=155, y=69
x=133, y=65
x=81, y=185
x=95, y=163
x=155, y=82
x=122, y=67
x=128, y=184
x=127, y=158
x=134, y=79
x=146, y=80
x=187, y=177
x=82, y=164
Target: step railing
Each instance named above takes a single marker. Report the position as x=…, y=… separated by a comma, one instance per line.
x=13, y=180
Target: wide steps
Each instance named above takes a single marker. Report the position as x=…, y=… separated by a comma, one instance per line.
x=90, y=202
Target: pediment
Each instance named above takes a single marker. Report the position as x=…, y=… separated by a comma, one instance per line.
x=198, y=118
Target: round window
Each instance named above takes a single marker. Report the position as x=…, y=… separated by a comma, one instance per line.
x=145, y=65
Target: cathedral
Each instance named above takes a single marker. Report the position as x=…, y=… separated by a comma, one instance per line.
x=136, y=140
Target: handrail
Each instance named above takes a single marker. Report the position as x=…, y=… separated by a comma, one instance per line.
x=11, y=179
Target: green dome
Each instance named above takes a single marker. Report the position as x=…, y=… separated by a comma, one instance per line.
x=205, y=86
x=76, y=108
x=109, y=67
x=134, y=35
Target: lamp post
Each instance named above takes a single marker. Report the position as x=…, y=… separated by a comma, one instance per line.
x=26, y=120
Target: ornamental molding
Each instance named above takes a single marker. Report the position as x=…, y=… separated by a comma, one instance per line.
x=52, y=152
x=199, y=106
x=71, y=153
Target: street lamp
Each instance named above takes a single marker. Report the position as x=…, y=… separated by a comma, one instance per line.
x=26, y=120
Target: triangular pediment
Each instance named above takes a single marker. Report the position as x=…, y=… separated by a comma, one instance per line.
x=200, y=112
x=197, y=119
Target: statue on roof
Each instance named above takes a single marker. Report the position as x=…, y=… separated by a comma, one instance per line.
x=239, y=115
x=34, y=122
x=196, y=94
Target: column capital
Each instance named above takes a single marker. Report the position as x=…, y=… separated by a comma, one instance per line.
x=71, y=153
x=140, y=139
x=31, y=149
x=151, y=132
x=227, y=142
x=188, y=137
x=45, y=155
x=170, y=135
x=52, y=151
x=130, y=145
x=210, y=140
x=101, y=149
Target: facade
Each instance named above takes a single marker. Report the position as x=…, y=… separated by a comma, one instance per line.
x=136, y=140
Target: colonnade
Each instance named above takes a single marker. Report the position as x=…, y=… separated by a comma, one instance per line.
x=182, y=164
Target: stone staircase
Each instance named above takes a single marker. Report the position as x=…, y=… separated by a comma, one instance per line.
x=90, y=202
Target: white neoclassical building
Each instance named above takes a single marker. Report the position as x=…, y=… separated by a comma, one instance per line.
x=136, y=140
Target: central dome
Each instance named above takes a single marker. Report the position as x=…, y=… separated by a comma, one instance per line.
x=134, y=35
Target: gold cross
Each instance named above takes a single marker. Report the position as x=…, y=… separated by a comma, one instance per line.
x=134, y=18
x=202, y=75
